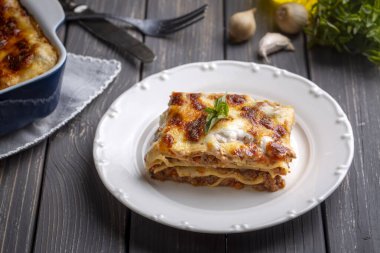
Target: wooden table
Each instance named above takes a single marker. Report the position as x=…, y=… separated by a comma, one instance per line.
x=52, y=200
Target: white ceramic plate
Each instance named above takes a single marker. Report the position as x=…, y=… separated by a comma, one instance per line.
x=322, y=138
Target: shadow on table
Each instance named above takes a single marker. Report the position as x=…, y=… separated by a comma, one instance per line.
x=150, y=236
x=328, y=59
x=303, y=234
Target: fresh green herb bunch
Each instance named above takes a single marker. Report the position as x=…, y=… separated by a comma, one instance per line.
x=220, y=111
x=347, y=25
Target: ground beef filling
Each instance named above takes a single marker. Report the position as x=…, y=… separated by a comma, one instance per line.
x=212, y=160
x=269, y=184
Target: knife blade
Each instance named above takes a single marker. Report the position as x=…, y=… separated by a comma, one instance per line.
x=113, y=35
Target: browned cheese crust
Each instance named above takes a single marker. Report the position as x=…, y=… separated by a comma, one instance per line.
x=255, y=138
x=24, y=50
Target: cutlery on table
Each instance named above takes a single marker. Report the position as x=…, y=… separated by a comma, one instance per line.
x=151, y=27
x=110, y=33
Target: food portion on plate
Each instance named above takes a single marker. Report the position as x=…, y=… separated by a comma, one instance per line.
x=24, y=50
x=222, y=140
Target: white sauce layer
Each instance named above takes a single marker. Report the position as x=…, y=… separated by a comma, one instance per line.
x=264, y=142
x=232, y=132
x=268, y=110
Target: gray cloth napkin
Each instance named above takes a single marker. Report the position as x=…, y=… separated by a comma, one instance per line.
x=83, y=80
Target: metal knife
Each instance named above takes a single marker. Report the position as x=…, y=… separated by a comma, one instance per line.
x=111, y=34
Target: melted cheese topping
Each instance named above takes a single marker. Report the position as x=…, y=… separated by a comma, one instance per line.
x=265, y=140
x=24, y=51
x=232, y=132
x=255, y=136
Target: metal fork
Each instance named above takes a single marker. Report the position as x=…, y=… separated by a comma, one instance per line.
x=151, y=27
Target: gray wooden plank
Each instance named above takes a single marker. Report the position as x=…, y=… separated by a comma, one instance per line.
x=77, y=213
x=201, y=42
x=20, y=183
x=305, y=233
x=149, y=236
x=352, y=212
x=302, y=234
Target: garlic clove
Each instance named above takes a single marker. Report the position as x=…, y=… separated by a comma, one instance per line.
x=290, y=47
x=273, y=42
x=242, y=26
x=291, y=17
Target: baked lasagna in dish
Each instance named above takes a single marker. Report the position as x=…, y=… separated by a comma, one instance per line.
x=248, y=147
x=24, y=50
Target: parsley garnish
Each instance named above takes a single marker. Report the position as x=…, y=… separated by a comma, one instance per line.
x=352, y=26
x=220, y=111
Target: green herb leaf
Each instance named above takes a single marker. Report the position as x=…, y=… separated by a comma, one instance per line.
x=352, y=26
x=220, y=111
x=210, y=111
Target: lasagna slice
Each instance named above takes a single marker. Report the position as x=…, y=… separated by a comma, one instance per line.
x=24, y=51
x=250, y=147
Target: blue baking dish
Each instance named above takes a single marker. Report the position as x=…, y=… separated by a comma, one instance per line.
x=36, y=98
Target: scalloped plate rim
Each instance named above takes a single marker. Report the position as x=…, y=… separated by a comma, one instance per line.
x=237, y=228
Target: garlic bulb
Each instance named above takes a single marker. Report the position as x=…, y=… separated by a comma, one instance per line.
x=291, y=17
x=242, y=26
x=273, y=42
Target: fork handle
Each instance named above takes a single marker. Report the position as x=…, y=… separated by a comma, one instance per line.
x=82, y=16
